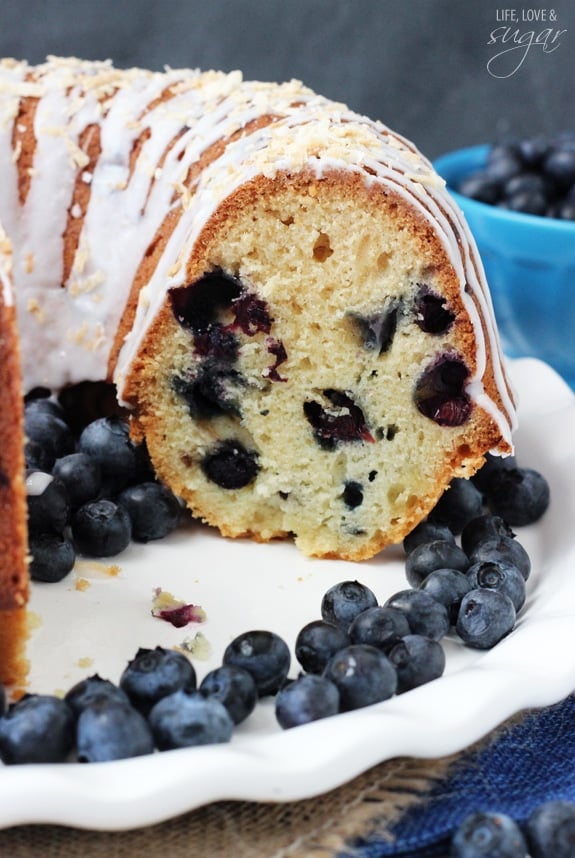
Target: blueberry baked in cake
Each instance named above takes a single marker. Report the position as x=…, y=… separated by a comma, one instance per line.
x=287, y=299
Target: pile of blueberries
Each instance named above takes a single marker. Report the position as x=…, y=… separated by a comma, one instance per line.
x=90, y=489
x=549, y=832
x=535, y=175
x=467, y=574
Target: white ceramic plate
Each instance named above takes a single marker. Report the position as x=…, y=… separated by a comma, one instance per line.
x=94, y=622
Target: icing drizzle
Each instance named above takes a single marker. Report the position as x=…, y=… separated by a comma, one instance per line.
x=154, y=128
x=5, y=269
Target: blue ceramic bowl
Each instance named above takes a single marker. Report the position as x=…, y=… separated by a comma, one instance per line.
x=530, y=266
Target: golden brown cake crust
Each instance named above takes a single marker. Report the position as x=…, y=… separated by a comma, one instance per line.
x=13, y=531
x=13, y=536
x=14, y=665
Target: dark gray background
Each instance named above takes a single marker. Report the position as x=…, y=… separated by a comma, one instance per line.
x=418, y=65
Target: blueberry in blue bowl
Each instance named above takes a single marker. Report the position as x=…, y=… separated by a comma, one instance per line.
x=519, y=202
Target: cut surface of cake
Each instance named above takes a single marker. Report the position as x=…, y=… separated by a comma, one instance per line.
x=285, y=295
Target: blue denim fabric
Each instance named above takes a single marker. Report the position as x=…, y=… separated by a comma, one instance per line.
x=531, y=762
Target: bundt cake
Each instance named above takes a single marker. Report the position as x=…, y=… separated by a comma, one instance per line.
x=13, y=531
x=283, y=292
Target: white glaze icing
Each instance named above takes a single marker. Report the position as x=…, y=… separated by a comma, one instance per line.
x=5, y=269
x=37, y=482
x=72, y=325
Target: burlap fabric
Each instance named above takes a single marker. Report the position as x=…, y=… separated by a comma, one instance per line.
x=323, y=827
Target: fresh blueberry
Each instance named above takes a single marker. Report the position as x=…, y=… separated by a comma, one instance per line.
x=2, y=699
x=424, y=615
x=39, y=728
x=559, y=166
x=429, y=556
x=526, y=201
x=263, y=654
x=230, y=466
x=534, y=175
x=317, y=642
x=481, y=187
x=363, y=675
x=491, y=469
x=50, y=432
x=417, y=660
x=483, y=529
x=107, y=441
x=569, y=198
x=533, y=150
x=503, y=162
x=379, y=627
x=308, y=698
x=234, y=687
x=92, y=689
x=111, y=729
x=101, y=529
x=440, y=392
x=427, y=531
x=52, y=556
x=342, y=421
x=551, y=830
x=46, y=405
x=185, y=719
x=526, y=183
x=504, y=549
x=153, y=674
x=565, y=210
x=153, y=509
x=81, y=475
x=459, y=504
x=519, y=495
x=342, y=603
x=447, y=586
x=489, y=835
x=48, y=503
x=37, y=458
x=503, y=577
x=485, y=617
x=43, y=417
